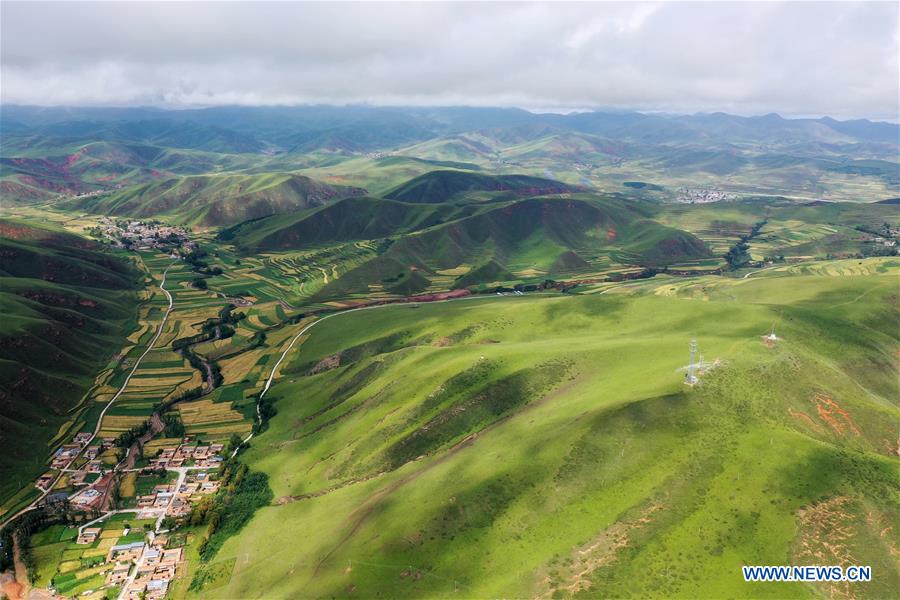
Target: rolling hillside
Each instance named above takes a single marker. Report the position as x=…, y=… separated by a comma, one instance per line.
x=41, y=153
x=212, y=200
x=347, y=220
x=67, y=307
x=39, y=171
x=446, y=186
x=547, y=447
x=534, y=237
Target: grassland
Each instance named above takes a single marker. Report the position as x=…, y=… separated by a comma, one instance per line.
x=546, y=446
x=210, y=200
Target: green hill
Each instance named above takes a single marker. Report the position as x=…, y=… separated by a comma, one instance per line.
x=445, y=186
x=540, y=447
x=35, y=169
x=212, y=200
x=350, y=219
x=550, y=235
x=66, y=307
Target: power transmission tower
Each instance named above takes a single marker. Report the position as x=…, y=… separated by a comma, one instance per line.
x=691, y=378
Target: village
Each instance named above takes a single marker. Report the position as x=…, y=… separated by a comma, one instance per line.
x=128, y=549
x=701, y=196
x=141, y=235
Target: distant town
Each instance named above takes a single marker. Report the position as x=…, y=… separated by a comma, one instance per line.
x=701, y=196
x=141, y=235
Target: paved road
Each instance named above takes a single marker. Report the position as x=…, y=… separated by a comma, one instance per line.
x=162, y=324
x=137, y=567
x=182, y=473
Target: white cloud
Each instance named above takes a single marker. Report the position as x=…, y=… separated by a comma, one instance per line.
x=796, y=58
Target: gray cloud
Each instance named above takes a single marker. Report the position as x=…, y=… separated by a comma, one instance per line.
x=839, y=59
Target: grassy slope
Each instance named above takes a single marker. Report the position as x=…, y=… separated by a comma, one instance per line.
x=529, y=233
x=66, y=307
x=349, y=219
x=445, y=186
x=217, y=199
x=37, y=169
x=600, y=461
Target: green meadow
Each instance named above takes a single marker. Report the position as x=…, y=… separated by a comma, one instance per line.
x=546, y=445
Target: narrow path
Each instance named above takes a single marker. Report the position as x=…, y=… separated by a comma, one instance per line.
x=137, y=363
x=761, y=270
x=328, y=316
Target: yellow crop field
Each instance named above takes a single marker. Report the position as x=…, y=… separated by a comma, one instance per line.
x=121, y=422
x=196, y=380
x=237, y=368
x=69, y=565
x=207, y=411
x=127, y=487
x=163, y=371
x=461, y=270
x=163, y=383
x=222, y=430
x=254, y=320
x=153, y=445
x=136, y=336
x=98, y=551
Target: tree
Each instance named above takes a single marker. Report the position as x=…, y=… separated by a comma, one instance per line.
x=235, y=442
x=115, y=494
x=199, y=283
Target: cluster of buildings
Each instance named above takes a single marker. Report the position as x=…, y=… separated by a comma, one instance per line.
x=175, y=499
x=82, y=195
x=67, y=453
x=701, y=196
x=158, y=499
x=143, y=569
x=182, y=456
x=94, y=495
x=155, y=569
x=886, y=242
x=142, y=235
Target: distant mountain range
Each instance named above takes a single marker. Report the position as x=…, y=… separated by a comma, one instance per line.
x=358, y=128
x=48, y=153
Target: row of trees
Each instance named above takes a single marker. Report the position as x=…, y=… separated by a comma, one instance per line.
x=738, y=255
x=241, y=493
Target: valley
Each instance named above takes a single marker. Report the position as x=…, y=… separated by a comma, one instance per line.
x=446, y=362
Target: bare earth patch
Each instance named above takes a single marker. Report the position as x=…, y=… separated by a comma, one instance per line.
x=602, y=550
x=825, y=533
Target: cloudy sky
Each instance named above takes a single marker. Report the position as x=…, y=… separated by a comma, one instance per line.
x=839, y=59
